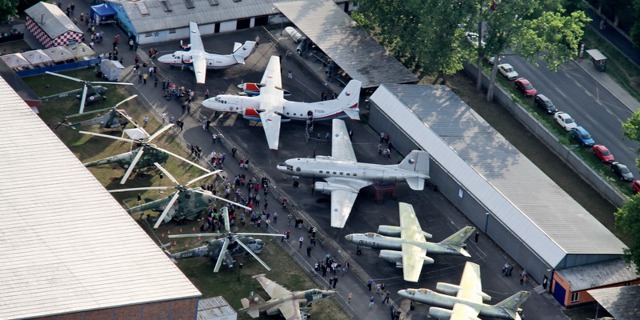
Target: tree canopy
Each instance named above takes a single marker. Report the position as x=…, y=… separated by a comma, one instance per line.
x=628, y=221
x=8, y=8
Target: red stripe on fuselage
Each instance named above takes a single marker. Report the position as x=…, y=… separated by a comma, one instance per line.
x=250, y=112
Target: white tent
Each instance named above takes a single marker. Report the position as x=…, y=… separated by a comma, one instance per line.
x=15, y=61
x=59, y=54
x=38, y=58
x=81, y=50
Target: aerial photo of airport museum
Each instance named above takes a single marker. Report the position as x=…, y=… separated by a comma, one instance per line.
x=238, y=159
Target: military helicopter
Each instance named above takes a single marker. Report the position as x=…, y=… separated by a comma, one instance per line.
x=134, y=160
x=190, y=201
x=213, y=247
x=113, y=119
x=88, y=94
x=230, y=238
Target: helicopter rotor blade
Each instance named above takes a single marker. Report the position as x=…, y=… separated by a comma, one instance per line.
x=223, y=251
x=195, y=235
x=254, y=255
x=87, y=113
x=107, y=136
x=166, y=210
x=209, y=194
x=225, y=214
x=250, y=234
x=159, y=132
x=139, y=189
x=64, y=76
x=166, y=173
x=125, y=100
x=106, y=82
x=202, y=177
x=184, y=159
x=84, y=97
x=132, y=166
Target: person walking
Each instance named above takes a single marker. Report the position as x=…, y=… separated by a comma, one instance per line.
x=369, y=284
x=335, y=281
x=371, y=302
x=301, y=240
x=309, y=251
x=349, y=297
x=290, y=74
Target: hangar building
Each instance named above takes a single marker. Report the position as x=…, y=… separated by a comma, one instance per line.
x=503, y=193
x=69, y=250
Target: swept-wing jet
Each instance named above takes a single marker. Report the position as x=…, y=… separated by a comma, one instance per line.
x=468, y=301
x=282, y=300
x=214, y=246
x=409, y=251
x=270, y=107
x=345, y=176
x=200, y=60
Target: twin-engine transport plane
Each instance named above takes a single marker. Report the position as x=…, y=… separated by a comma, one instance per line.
x=270, y=107
x=282, y=300
x=409, y=251
x=467, y=303
x=345, y=176
x=200, y=60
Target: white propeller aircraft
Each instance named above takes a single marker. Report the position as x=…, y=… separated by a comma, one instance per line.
x=345, y=176
x=200, y=60
x=412, y=244
x=282, y=300
x=270, y=107
x=468, y=301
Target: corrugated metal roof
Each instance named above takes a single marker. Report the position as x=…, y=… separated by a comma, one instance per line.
x=66, y=243
x=214, y=308
x=352, y=49
x=598, y=274
x=56, y=22
x=536, y=209
x=620, y=302
x=203, y=13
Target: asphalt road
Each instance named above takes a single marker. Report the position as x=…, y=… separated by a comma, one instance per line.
x=436, y=214
x=574, y=91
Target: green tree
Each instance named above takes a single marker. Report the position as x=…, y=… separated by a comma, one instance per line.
x=534, y=30
x=628, y=221
x=423, y=34
x=8, y=8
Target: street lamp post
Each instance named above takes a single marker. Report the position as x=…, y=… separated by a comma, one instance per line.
x=486, y=222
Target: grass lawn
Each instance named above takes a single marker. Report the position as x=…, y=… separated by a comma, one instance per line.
x=232, y=284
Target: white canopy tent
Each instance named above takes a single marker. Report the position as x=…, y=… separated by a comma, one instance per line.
x=38, y=58
x=59, y=54
x=15, y=61
x=81, y=50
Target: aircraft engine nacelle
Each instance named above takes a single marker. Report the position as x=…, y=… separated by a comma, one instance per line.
x=325, y=187
x=391, y=255
x=250, y=113
x=440, y=313
x=452, y=290
x=391, y=231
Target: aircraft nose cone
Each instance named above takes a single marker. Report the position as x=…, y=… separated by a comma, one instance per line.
x=349, y=237
x=165, y=58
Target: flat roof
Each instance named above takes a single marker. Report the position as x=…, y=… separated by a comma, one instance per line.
x=351, y=48
x=67, y=245
x=517, y=192
x=620, y=302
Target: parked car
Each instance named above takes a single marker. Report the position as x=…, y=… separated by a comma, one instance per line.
x=523, y=85
x=565, y=120
x=603, y=153
x=582, y=135
x=508, y=71
x=545, y=103
x=473, y=39
x=636, y=186
x=622, y=171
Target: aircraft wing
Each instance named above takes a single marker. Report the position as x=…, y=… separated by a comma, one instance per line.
x=200, y=68
x=470, y=284
x=463, y=312
x=343, y=197
x=272, y=79
x=194, y=37
x=290, y=310
x=341, y=148
x=271, y=125
x=410, y=231
x=273, y=289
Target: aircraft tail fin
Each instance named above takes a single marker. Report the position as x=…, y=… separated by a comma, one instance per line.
x=513, y=303
x=241, y=53
x=251, y=305
x=457, y=240
x=417, y=161
x=349, y=99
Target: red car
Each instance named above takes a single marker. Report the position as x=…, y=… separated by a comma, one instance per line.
x=603, y=153
x=636, y=186
x=523, y=85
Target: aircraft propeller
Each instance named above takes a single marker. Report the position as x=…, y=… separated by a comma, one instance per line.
x=86, y=85
x=228, y=237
